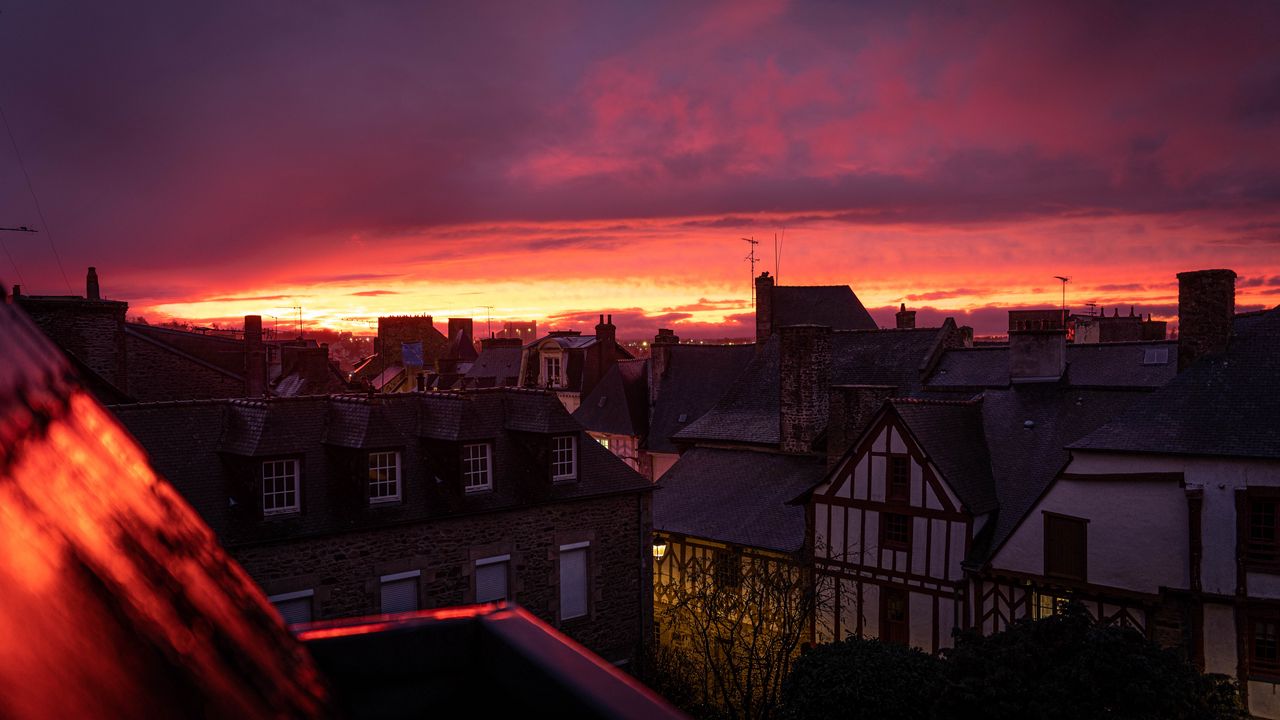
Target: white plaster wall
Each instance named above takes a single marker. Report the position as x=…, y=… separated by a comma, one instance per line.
x=871, y=610
x=946, y=621
x=921, y=617
x=662, y=462
x=1219, y=639
x=1264, y=699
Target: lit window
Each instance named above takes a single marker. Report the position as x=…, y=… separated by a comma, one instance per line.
x=1048, y=605
x=400, y=591
x=573, y=580
x=384, y=477
x=564, y=458
x=294, y=607
x=895, y=531
x=476, y=473
x=491, y=578
x=551, y=371
x=604, y=442
x=279, y=487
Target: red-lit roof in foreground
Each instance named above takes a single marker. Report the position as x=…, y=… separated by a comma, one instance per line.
x=118, y=601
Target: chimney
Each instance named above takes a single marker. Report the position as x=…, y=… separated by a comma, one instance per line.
x=1206, y=308
x=606, y=353
x=851, y=410
x=255, y=358
x=91, y=290
x=805, y=360
x=906, y=318
x=764, y=309
x=456, y=324
x=1037, y=345
x=660, y=360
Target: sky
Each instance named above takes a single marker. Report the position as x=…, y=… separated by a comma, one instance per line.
x=553, y=161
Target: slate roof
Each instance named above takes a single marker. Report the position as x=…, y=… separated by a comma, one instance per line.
x=696, y=377
x=951, y=435
x=1101, y=365
x=737, y=496
x=749, y=412
x=223, y=352
x=834, y=306
x=205, y=447
x=495, y=367
x=1025, y=459
x=619, y=403
x=1224, y=405
x=356, y=421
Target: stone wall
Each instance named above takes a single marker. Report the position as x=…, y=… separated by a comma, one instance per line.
x=1206, y=306
x=92, y=330
x=344, y=570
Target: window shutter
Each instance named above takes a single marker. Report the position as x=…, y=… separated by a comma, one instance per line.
x=293, y=611
x=400, y=595
x=573, y=583
x=491, y=582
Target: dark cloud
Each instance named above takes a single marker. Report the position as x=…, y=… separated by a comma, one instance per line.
x=249, y=298
x=374, y=293
x=944, y=294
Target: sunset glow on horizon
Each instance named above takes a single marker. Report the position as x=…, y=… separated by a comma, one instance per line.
x=559, y=162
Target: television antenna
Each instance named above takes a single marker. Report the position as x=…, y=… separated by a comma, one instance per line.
x=752, y=257
x=1064, y=296
x=488, y=318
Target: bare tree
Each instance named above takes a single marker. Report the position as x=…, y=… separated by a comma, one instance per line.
x=736, y=621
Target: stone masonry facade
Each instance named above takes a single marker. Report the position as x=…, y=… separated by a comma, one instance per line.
x=344, y=570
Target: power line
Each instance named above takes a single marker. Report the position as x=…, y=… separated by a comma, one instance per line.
x=39, y=211
x=16, y=271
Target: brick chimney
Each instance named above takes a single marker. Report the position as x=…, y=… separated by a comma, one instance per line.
x=1037, y=345
x=255, y=358
x=91, y=290
x=606, y=353
x=660, y=360
x=1206, y=309
x=906, y=318
x=764, y=309
x=851, y=410
x=805, y=360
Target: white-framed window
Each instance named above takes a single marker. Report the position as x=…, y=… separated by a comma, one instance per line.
x=573, y=580
x=477, y=467
x=384, y=476
x=491, y=578
x=280, y=487
x=551, y=370
x=400, y=591
x=564, y=457
x=294, y=607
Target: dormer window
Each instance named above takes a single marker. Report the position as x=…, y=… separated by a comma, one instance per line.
x=280, y=487
x=477, y=474
x=384, y=477
x=551, y=371
x=564, y=458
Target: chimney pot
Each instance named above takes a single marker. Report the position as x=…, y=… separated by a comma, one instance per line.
x=92, y=291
